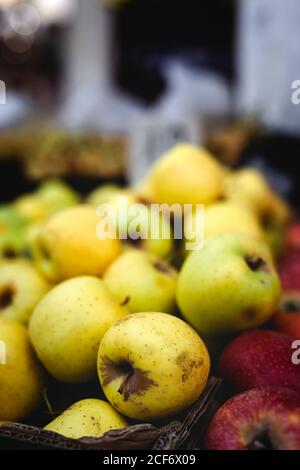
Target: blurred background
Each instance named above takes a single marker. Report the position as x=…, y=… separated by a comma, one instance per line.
x=96, y=90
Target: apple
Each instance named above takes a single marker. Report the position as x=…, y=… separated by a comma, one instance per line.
x=12, y=229
x=21, y=289
x=104, y=194
x=67, y=245
x=292, y=240
x=87, y=418
x=265, y=418
x=152, y=365
x=248, y=186
x=21, y=378
x=274, y=237
x=143, y=282
x=186, y=175
x=223, y=217
x=132, y=221
x=68, y=324
x=287, y=318
x=289, y=271
x=57, y=195
x=50, y=197
x=228, y=285
x=260, y=358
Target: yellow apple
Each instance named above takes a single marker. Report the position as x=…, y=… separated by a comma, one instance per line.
x=21, y=289
x=223, y=217
x=68, y=324
x=186, y=175
x=21, y=378
x=67, y=245
x=87, y=418
x=142, y=282
x=152, y=365
x=229, y=285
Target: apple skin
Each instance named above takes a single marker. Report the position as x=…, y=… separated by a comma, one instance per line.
x=50, y=197
x=12, y=233
x=289, y=271
x=287, y=318
x=223, y=217
x=21, y=378
x=266, y=418
x=260, y=358
x=229, y=285
x=68, y=324
x=292, y=239
x=186, y=175
x=105, y=194
x=249, y=187
x=143, y=282
x=87, y=418
x=152, y=365
x=21, y=289
x=67, y=245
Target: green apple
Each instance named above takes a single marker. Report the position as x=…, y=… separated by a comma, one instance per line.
x=223, y=217
x=132, y=221
x=21, y=378
x=249, y=187
x=143, y=282
x=152, y=365
x=67, y=245
x=50, y=197
x=186, y=175
x=12, y=233
x=68, y=324
x=229, y=285
x=87, y=418
x=103, y=194
x=21, y=289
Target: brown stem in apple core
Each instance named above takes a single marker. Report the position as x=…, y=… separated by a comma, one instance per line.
x=255, y=263
x=6, y=296
x=133, y=380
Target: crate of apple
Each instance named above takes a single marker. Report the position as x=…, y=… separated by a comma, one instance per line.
x=111, y=342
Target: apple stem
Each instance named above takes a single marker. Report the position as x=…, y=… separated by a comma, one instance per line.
x=123, y=387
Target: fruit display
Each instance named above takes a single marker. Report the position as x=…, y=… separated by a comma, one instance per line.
x=120, y=315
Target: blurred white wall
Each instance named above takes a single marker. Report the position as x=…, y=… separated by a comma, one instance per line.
x=268, y=44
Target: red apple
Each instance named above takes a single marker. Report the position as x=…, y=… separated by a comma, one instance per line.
x=290, y=271
x=261, y=418
x=260, y=358
x=287, y=319
x=292, y=239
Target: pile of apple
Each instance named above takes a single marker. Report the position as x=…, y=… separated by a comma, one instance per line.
x=143, y=314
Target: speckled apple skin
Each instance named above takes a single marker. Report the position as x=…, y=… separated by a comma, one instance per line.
x=236, y=423
x=168, y=352
x=260, y=358
x=87, y=418
x=21, y=378
x=68, y=324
